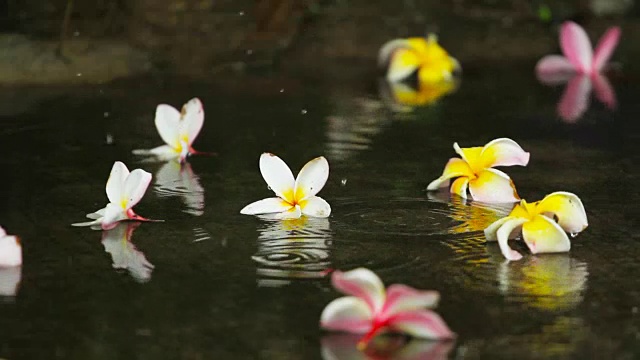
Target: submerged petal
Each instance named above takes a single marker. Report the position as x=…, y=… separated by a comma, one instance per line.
x=362, y=283
x=266, y=206
x=576, y=46
x=503, y=235
x=455, y=168
x=401, y=298
x=278, y=176
x=543, y=235
x=315, y=206
x=554, y=69
x=424, y=324
x=168, y=124
x=503, y=152
x=568, y=208
x=347, y=313
x=605, y=48
x=10, y=251
x=135, y=186
x=575, y=99
x=493, y=186
x=115, y=183
x=311, y=178
x=192, y=119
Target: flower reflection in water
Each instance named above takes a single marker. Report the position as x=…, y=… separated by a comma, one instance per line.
x=124, y=254
x=471, y=216
x=343, y=347
x=176, y=179
x=405, y=97
x=10, y=280
x=292, y=249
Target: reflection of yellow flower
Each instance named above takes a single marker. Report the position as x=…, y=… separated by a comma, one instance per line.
x=425, y=94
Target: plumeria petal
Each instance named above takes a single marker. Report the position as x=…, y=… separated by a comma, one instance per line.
x=604, y=91
x=2, y=232
x=605, y=48
x=192, y=119
x=135, y=186
x=362, y=283
x=113, y=213
x=278, y=176
x=554, y=69
x=96, y=215
x=168, y=124
x=504, y=233
x=266, y=206
x=403, y=63
x=503, y=152
x=493, y=186
x=575, y=99
x=491, y=232
x=293, y=213
x=347, y=313
x=401, y=298
x=568, y=208
x=10, y=251
x=311, y=178
x=455, y=168
x=424, y=324
x=10, y=280
x=470, y=155
x=115, y=183
x=576, y=46
x=543, y=235
x=459, y=187
x=164, y=152
x=315, y=206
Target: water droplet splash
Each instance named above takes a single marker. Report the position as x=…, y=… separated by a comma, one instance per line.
x=343, y=182
x=303, y=112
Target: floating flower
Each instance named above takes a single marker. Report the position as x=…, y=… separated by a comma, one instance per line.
x=474, y=172
x=178, y=129
x=578, y=54
x=540, y=231
x=406, y=56
x=295, y=197
x=124, y=191
x=124, y=254
x=10, y=250
x=371, y=310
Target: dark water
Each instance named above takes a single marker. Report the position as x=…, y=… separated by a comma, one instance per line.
x=211, y=283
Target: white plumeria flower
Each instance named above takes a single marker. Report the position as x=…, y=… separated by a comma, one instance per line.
x=178, y=129
x=10, y=250
x=295, y=196
x=124, y=190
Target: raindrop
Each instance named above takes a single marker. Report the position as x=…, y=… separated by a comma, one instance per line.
x=241, y=13
x=76, y=33
x=573, y=234
x=249, y=52
x=106, y=114
x=343, y=182
x=269, y=188
x=303, y=112
x=282, y=90
x=109, y=139
x=79, y=74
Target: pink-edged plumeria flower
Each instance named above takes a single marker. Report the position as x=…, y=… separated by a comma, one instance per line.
x=124, y=190
x=10, y=250
x=124, y=253
x=296, y=197
x=579, y=56
x=474, y=171
x=371, y=310
x=178, y=129
x=540, y=231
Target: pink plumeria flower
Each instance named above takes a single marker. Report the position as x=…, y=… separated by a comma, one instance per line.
x=371, y=310
x=124, y=190
x=474, y=171
x=10, y=250
x=178, y=129
x=579, y=56
x=540, y=231
x=296, y=197
x=124, y=253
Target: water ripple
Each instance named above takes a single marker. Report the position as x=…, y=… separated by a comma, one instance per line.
x=175, y=179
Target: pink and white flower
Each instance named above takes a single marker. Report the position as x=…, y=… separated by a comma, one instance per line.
x=371, y=310
x=124, y=190
x=10, y=250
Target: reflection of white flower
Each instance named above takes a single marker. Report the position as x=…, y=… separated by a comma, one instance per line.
x=10, y=280
x=178, y=179
x=10, y=250
x=124, y=254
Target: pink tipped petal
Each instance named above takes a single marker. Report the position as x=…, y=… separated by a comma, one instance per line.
x=278, y=176
x=575, y=99
x=266, y=206
x=503, y=152
x=402, y=298
x=504, y=233
x=311, y=178
x=423, y=324
x=543, y=235
x=604, y=91
x=347, y=313
x=113, y=213
x=568, y=208
x=607, y=44
x=316, y=207
x=493, y=186
x=455, y=167
x=135, y=186
x=192, y=120
x=168, y=124
x=115, y=183
x=10, y=251
x=576, y=46
x=361, y=283
x=554, y=69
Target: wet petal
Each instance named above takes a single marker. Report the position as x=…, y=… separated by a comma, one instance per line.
x=503, y=152
x=192, y=120
x=607, y=44
x=347, y=313
x=504, y=233
x=115, y=183
x=96, y=215
x=278, y=176
x=491, y=232
x=576, y=46
x=403, y=63
x=604, y=91
x=568, y=208
x=575, y=99
x=470, y=155
x=311, y=178
x=135, y=186
x=163, y=152
x=387, y=50
x=424, y=324
x=315, y=206
x=266, y=206
x=10, y=280
x=554, y=69
x=293, y=213
x=2, y=232
x=493, y=186
x=10, y=251
x=361, y=283
x=459, y=187
x=455, y=168
x=543, y=235
x=113, y=213
x=168, y=124
x=401, y=298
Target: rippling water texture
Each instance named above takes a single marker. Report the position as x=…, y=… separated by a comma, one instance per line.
x=211, y=283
